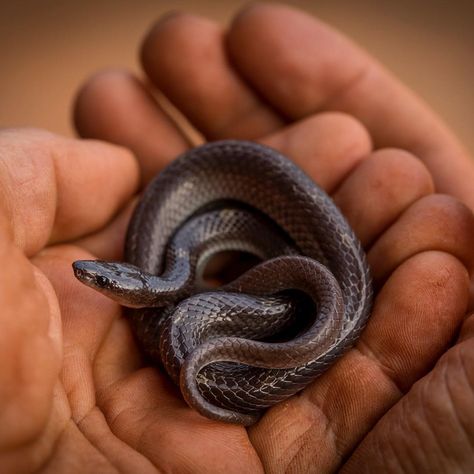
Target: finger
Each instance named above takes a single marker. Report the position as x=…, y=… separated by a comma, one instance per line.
x=381, y=187
x=30, y=342
x=437, y=412
x=115, y=106
x=309, y=67
x=435, y=222
x=326, y=146
x=202, y=83
x=56, y=189
x=414, y=318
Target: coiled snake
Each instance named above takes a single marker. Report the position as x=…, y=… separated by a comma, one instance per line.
x=254, y=342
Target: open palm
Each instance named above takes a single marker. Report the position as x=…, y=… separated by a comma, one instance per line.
x=75, y=393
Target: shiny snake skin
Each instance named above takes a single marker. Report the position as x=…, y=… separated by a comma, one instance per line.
x=241, y=348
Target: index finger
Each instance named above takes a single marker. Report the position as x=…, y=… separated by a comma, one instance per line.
x=310, y=67
x=55, y=189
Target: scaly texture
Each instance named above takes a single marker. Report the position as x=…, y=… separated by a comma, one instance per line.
x=240, y=349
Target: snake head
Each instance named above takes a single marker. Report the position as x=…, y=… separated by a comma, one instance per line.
x=120, y=281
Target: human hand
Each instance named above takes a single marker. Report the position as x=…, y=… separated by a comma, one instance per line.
x=107, y=411
x=283, y=78
x=75, y=393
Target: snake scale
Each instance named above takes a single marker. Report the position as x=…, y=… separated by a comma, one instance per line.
x=243, y=347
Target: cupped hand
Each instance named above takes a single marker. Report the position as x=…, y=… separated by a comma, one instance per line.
x=75, y=395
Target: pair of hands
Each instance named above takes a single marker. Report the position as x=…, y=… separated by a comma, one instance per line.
x=75, y=394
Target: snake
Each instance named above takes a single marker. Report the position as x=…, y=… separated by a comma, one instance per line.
x=237, y=349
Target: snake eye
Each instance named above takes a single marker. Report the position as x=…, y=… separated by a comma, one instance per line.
x=101, y=281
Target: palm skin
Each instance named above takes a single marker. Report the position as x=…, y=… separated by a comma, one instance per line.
x=76, y=394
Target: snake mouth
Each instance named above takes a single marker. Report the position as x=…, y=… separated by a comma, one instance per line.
x=83, y=271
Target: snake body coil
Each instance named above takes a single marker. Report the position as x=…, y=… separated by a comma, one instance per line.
x=244, y=347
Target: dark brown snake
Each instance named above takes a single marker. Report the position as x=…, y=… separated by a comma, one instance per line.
x=239, y=349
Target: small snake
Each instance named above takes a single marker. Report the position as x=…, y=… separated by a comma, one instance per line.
x=241, y=348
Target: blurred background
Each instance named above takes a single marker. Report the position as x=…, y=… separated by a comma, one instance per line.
x=49, y=47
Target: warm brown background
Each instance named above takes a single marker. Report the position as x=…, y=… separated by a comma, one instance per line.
x=47, y=48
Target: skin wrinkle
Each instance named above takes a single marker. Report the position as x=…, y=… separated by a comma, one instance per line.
x=452, y=407
x=339, y=438
x=385, y=458
x=140, y=443
x=106, y=389
x=110, y=401
x=83, y=419
x=11, y=175
x=300, y=439
x=432, y=428
x=449, y=408
x=54, y=449
x=109, y=430
x=400, y=459
x=51, y=165
x=395, y=456
x=107, y=401
x=72, y=426
x=462, y=364
x=78, y=356
x=388, y=373
x=420, y=431
x=293, y=464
